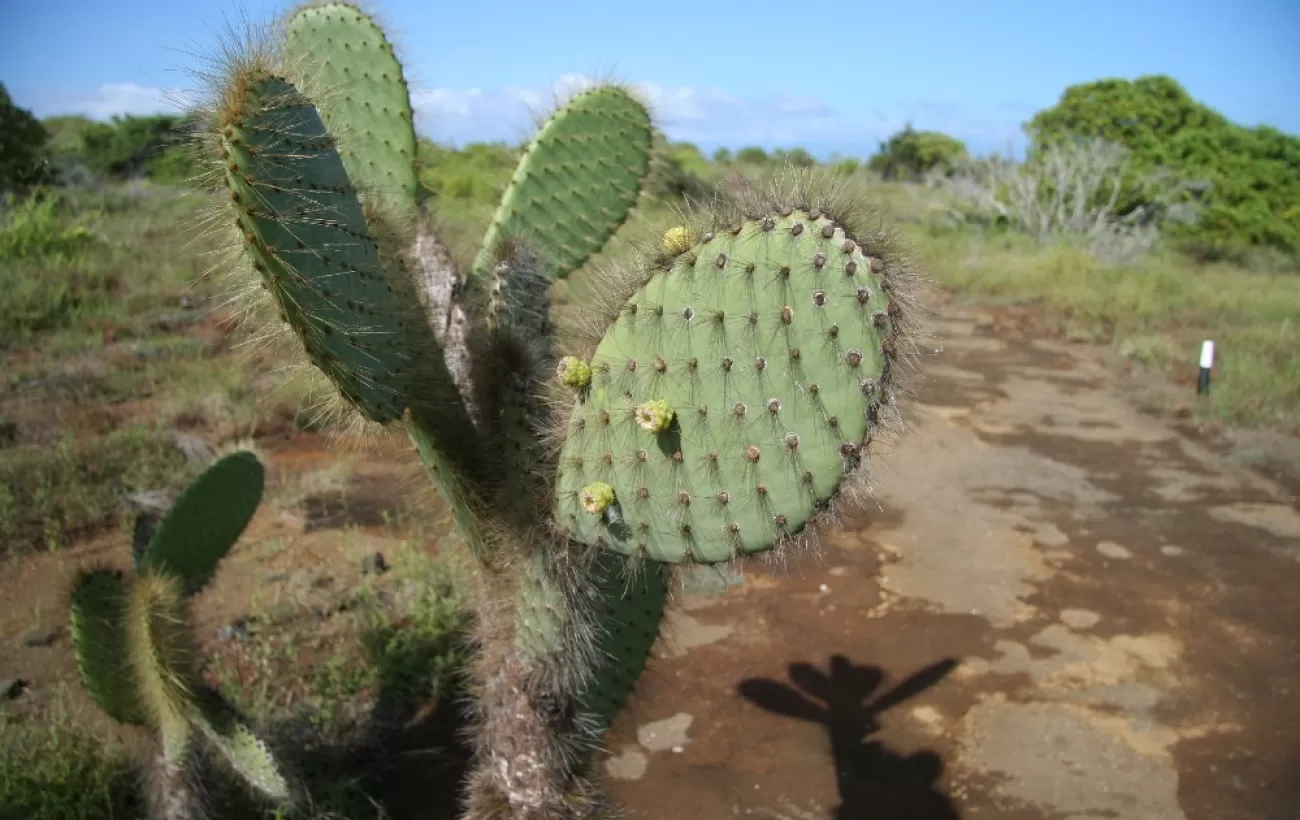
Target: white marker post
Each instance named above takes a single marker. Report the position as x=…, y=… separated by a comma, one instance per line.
x=1207, y=364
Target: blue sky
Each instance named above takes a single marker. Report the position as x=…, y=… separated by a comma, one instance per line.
x=831, y=75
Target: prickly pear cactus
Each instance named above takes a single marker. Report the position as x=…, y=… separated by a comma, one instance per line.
x=733, y=392
x=723, y=405
x=628, y=614
x=308, y=238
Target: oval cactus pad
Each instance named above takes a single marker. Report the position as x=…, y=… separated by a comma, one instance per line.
x=731, y=395
x=577, y=182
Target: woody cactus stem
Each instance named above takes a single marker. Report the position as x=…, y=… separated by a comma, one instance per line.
x=724, y=403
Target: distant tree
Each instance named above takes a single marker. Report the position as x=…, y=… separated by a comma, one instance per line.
x=722, y=156
x=22, y=145
x=128, y=145
x=477, y=172
x=65, y=134
x=798, y=157
x=1253, y=174
x=847, y=166
x=752, y=155
x=680, y=171
x=910, y=154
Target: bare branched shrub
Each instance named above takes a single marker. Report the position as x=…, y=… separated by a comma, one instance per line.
x=1069, y=190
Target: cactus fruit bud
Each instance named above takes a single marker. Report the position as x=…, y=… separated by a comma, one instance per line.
x=597, y=497
x=678, y=240
x=574, y=372
x=654, y=416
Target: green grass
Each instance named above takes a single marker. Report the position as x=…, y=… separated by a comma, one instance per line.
x=1157, y=310
x=53, y=493
x=59, y=772
x=97, y=259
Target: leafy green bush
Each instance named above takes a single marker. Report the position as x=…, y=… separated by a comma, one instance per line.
x=35, y=227
x=129, y=146
x=796, y=157
x=1253, y=173
x=476, y=173
x=22, y=143
x=911, y=154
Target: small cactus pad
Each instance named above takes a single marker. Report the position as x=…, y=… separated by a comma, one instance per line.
x=207, y=520
x=629, y=614
x=578, y=181
x=98, y=629
x=243, y=750
x=307, y=236
x=343, y=61
x=771, y=344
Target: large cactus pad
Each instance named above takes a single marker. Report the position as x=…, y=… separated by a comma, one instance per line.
x=308, y=238
x=577, y=182
x=343, y=61
x=732, y=394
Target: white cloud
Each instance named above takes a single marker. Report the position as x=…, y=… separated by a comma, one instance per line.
x=104, y=102
x=708, y=116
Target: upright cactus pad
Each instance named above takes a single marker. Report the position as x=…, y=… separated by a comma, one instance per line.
x=242, y=749
x=207, y=520
x=341, y=59
x=577, y=182
x=771, y=344
x=630, y=612
x=307, y=236
x=98, y=609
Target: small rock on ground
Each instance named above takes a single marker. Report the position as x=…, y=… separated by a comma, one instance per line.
x=1079, y=618
x=374, y=564
x=662, y=735
x=42, y=636
x=1112, y=550
x=11, y=688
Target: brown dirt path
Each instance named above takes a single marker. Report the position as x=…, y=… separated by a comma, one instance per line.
x=1060, y=608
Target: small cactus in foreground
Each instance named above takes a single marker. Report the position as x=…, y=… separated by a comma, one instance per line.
x=134, y=646
x=723, y=402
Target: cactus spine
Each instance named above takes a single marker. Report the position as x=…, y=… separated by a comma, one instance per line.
x=724, y=403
